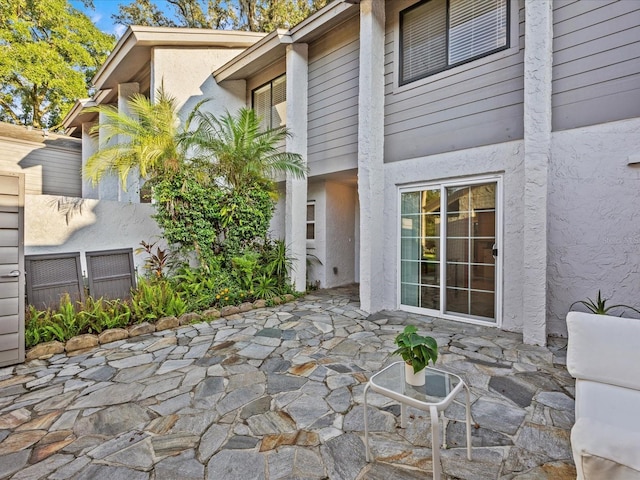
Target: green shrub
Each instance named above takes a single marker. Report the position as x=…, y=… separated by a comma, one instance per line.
x=155, y=299
x=99, y=315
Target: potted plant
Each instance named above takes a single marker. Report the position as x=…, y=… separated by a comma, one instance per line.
x=416, y=351
x=599, y=306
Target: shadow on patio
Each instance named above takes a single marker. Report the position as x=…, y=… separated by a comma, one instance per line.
x=277, y=393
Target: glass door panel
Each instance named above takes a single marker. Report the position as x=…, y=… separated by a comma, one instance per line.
x=420, y=249
x=471, y=235
x=463, y=225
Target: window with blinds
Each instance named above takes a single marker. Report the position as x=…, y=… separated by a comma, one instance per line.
x=270, y=103
x=436, y=35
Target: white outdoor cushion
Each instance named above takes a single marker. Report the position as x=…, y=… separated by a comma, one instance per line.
x=604, y=348
x=605, y=452
x=609, y=404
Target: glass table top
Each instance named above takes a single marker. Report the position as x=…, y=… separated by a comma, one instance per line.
x=438, y=385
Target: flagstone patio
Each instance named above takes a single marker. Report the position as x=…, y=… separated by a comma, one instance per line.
x=277, y=393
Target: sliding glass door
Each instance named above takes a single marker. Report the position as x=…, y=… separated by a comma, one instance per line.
x=448, y=250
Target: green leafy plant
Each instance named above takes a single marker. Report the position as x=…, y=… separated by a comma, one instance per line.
x=278, y=262
x=265, y=287
x=415, y=349
x=154, y=300
x=245, y=268
x=156, y=262
x=599, y=306
x=35, y=326
x=99, y=315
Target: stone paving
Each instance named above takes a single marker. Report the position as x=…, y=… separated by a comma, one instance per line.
x=277, y=393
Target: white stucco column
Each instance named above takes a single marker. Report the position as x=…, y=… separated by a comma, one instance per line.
x=538, y=57
x=132, y=191
x=108, y=186
x=89, y=147
x=371, y=153
x=296, y=188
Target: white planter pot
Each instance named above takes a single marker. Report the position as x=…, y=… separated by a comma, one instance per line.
x=415, y=379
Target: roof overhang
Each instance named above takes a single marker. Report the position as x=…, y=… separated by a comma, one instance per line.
x=273, y=47
x=130, y=59
x=134, y=48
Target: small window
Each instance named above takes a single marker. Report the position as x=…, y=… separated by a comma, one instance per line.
x=436, y=35
x=311, y=221
x=270, y=103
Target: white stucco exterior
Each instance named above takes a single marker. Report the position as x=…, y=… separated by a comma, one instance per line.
x=538, y=63
x=371, y=152
x=594, y=219
x=56, y=224
x=566, y=201
x=504, y=161
x=296, y=188
x=185, y=74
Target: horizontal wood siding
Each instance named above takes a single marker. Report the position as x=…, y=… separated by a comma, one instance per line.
x=333, y=97
x=48, y=170
x=596, y=62
x=479, y=103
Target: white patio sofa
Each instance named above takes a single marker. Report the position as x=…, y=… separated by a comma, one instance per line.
x=604, y=357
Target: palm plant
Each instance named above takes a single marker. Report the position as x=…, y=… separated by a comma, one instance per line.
x=147, y=139
x=599, y=305
x=243, y=154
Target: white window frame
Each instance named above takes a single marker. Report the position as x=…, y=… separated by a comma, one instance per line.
x=513, y=49
x=443, y=185
x=313, y=222
x=281, y=107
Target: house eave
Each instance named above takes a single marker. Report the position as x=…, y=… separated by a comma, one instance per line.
x=134, y=48
x=268, y=50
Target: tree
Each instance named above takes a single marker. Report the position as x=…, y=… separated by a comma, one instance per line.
x=251, y=15
x=49, y=51
x=217, y=199
x=189, y=13
x=242, y=154
x=148, y=140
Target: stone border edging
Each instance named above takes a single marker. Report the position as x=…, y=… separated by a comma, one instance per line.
x=88, y=341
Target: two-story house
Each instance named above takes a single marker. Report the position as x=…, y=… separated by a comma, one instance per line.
x=475, y=160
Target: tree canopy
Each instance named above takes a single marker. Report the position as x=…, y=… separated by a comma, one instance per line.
x=48, y=53
x=251, y=15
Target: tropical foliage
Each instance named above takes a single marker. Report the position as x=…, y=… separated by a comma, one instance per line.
x=146, y=140
x=599, y=305
x=245, y=155
x=252, y=277
x=216, y=203
x=49, y=51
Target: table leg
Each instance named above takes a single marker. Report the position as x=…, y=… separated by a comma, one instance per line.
x=366, y=426
x=435, y=442
x=468, y=402
x=403, y=415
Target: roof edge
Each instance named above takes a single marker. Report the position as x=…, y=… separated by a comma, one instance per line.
x=137, y=35
x=279, y=37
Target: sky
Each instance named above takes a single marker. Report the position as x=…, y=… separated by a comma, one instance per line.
x=101, y=15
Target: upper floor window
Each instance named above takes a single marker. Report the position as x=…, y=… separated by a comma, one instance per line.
x=436, y=35
x=270, y=103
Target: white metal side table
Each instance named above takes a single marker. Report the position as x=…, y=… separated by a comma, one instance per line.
x=439, y=391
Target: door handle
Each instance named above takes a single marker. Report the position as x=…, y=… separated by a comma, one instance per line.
x=11, y=274
x=494, y=251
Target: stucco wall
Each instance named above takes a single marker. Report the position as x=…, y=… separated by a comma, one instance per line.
x=505, y=159
x=340, y=237
x=186, y=75
x=276, y=227
x=56, y=224
x=594, y=218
